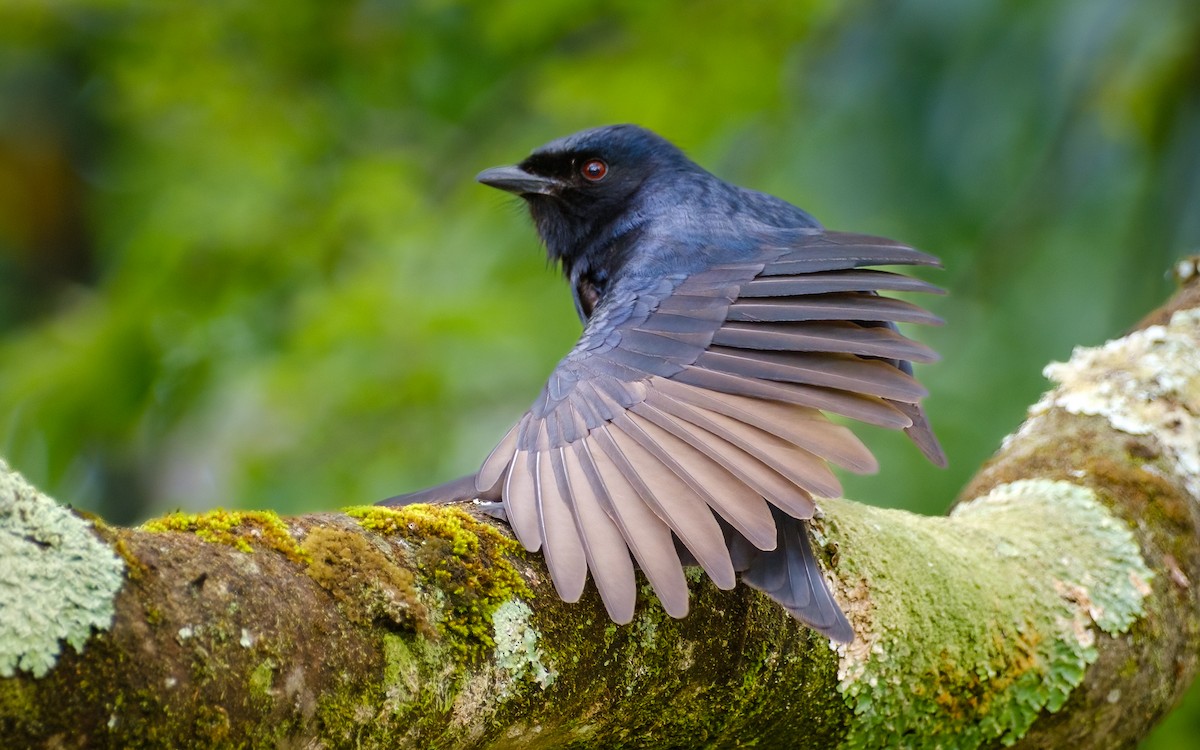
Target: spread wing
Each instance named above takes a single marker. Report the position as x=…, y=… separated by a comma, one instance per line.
x=697, y=402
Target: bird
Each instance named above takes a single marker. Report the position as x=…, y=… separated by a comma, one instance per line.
x=690, y=423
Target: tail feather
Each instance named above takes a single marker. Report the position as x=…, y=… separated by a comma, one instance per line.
x=791, y=576
x=459, y=490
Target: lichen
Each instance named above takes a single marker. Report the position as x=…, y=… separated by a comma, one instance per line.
x=242, y=530
x=1144, y=384
x=465, y=560
x=57, y=579
x=970, y=649
x=517, y=652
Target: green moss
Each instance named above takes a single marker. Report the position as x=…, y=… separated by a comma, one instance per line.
x=262, y=679
x=398, y=663
x=242, y=530
x=464, y=559
x=656, y=678
x=972, y=649
x=411, y=667
x=366, y=583
x=18, y=701
x=407, y=708
x=62, y=579
x=134, y=568
x=211, y=727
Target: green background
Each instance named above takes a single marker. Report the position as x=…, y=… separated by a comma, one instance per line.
x=243, y=261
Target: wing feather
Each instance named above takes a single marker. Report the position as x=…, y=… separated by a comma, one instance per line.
x=648, y=536
x=840, y=371
x=673, y=501
x=743, y=461
x=496, y=466
x=830, y=307
x=803, y=426
x=833, y=336
x=695, y=307
x=800, y=467
x=922, y=434
x=603, y=544
x=560, y=539
x=826, y=250
x=654, y=344
x=679, y=326
x=738, y=504
x=834, y=281
x=868, y=409
x=520, y=501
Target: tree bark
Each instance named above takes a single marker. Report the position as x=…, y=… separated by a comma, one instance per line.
x=1052, y=607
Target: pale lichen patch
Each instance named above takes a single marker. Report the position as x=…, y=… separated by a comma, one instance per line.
x=1146, y=383
x=57, y=579
x=968, y=645
x=517, y=664
x=1102, y=570
x=517, y=652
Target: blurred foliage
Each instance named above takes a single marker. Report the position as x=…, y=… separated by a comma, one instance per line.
x=243, y=261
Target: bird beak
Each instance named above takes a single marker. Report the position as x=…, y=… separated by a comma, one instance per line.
x=517, y=180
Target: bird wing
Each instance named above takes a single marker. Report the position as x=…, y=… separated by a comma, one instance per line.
x=696, y=399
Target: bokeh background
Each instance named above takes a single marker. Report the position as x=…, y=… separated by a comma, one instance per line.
x=243, y=261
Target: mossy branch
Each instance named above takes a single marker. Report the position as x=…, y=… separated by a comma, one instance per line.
x=1053, y=607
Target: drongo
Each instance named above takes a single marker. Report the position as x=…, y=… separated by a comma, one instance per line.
x=689, y=423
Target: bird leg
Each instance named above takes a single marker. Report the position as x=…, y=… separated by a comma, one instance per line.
x=459, y=490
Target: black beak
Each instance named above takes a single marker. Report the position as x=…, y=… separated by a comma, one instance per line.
x=517, y=180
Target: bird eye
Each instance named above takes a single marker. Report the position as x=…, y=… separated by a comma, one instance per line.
x=593, y=170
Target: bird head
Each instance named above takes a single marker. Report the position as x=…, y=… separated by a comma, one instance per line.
x=586, y=190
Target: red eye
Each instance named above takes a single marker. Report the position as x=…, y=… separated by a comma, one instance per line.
x=593, y=170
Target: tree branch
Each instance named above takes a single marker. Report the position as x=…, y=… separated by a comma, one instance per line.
x=1052, y=607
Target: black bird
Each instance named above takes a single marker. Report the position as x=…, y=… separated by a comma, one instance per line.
x=688, y=424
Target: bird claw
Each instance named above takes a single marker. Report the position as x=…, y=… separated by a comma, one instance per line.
x=494, y=509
